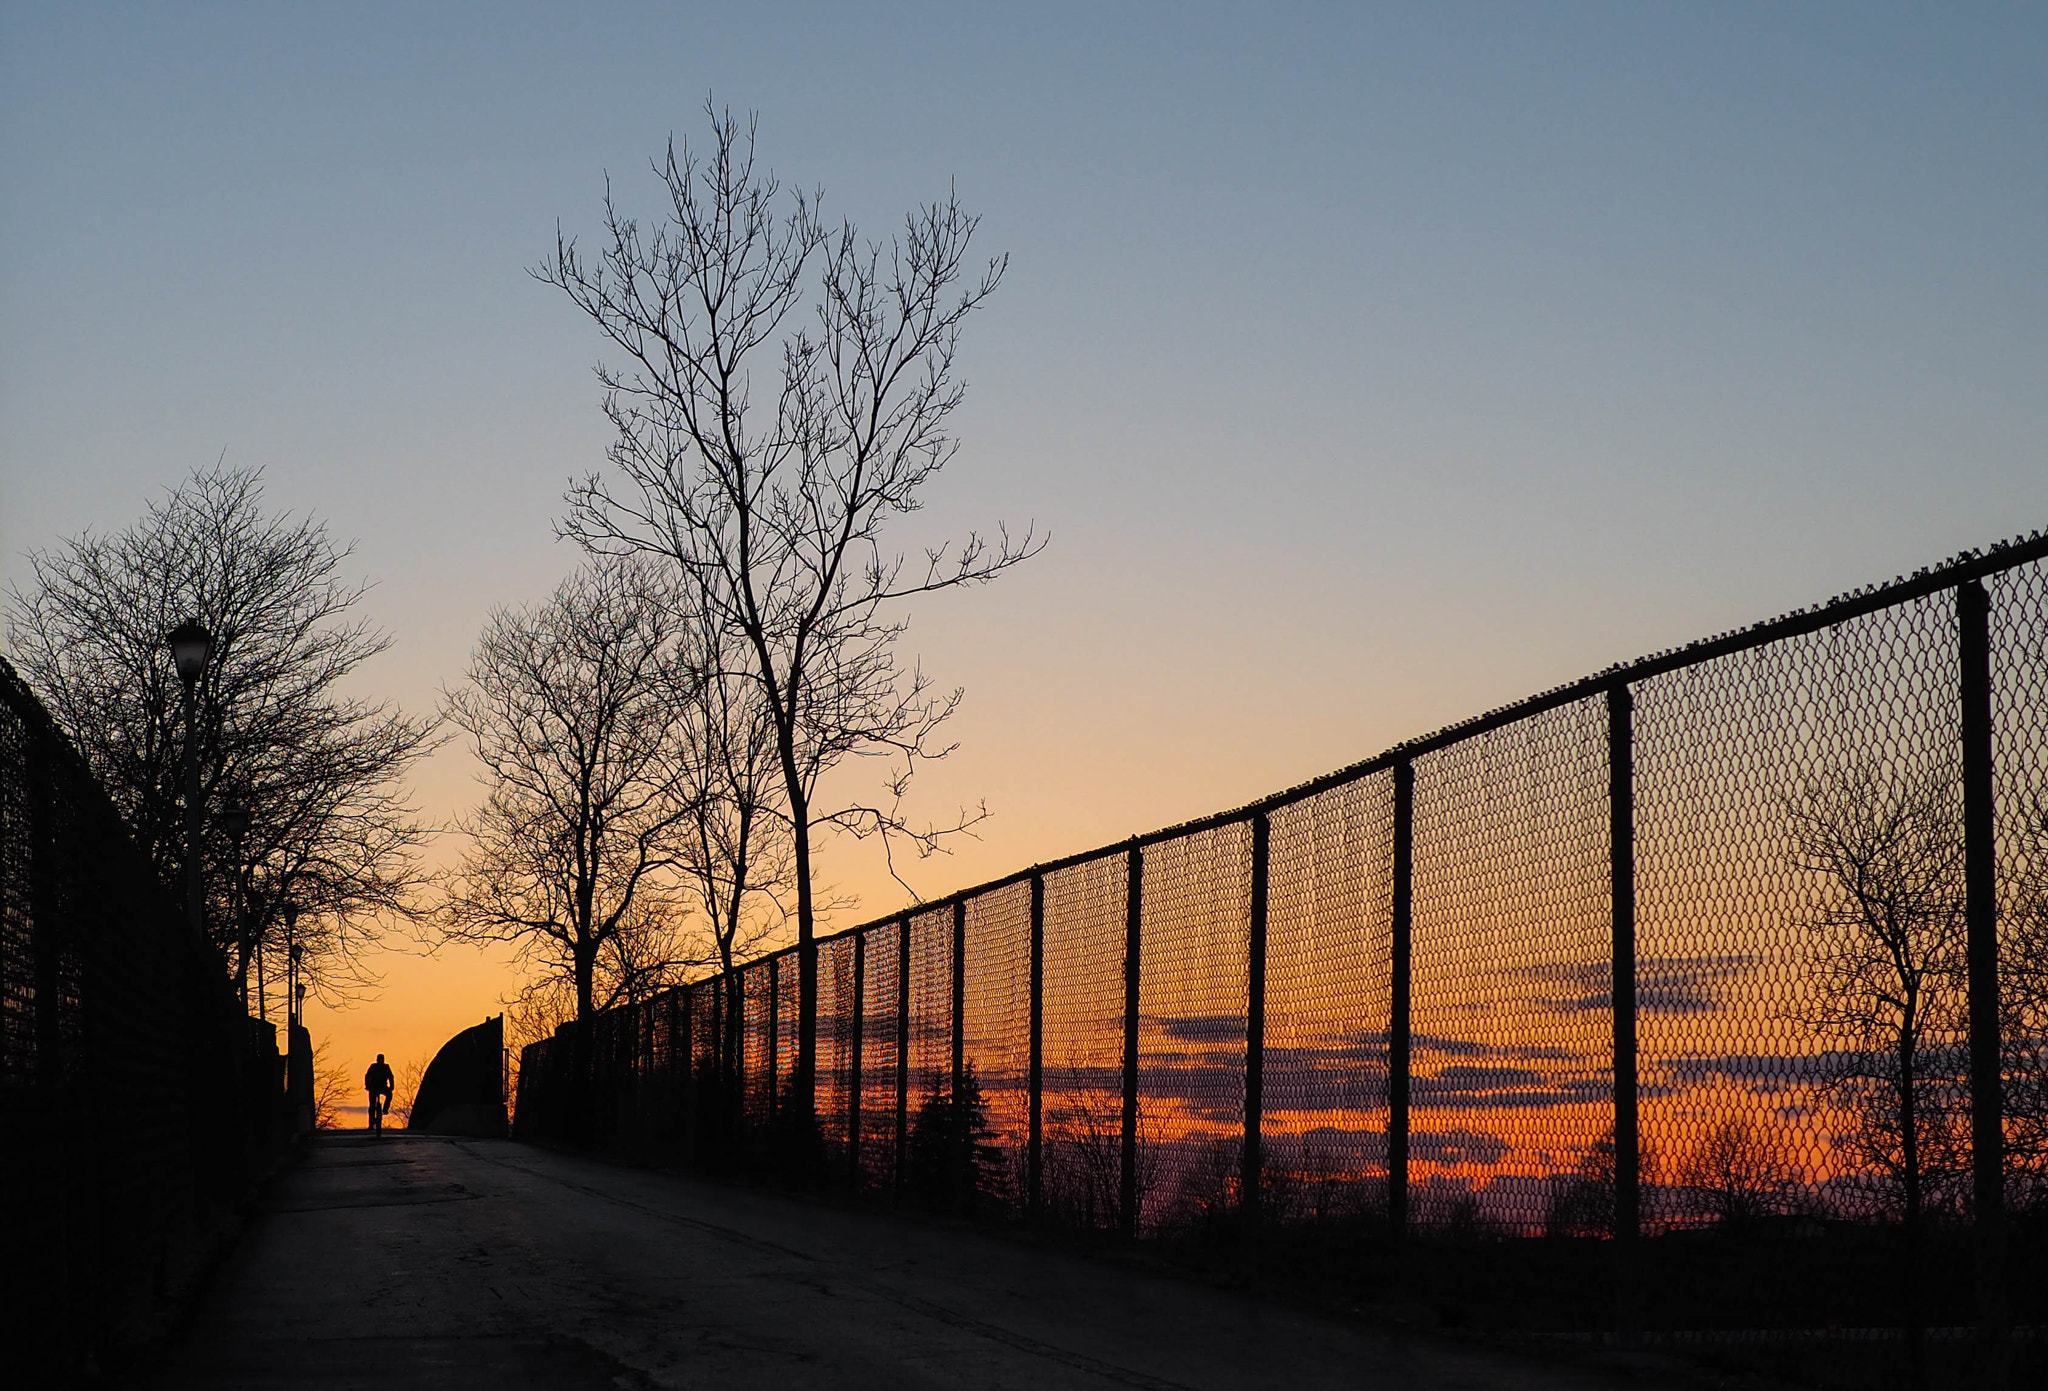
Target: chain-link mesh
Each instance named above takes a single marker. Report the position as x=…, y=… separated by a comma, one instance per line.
x=137, y=1103
x=931, y=1007
x=996, y=1031
x=1761, y=842
x=757, y=1060
x=836, y=1014
x=881, y=1097
x=1328, y=966
x=1194, y=953
x=2019, y=695
x=788, y=987
x=707, y=1108
x=1083, y=1041
x=1795, y=804
x=1512, y=1085
x=18, y=954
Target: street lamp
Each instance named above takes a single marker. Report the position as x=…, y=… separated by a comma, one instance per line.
x=294, y=993
x=191, y=646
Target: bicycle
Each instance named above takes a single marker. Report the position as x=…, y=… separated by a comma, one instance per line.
x=376, y=1113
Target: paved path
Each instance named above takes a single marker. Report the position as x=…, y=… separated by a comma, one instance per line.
x=412, y=1262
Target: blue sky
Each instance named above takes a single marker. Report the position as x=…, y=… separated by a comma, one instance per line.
x=1369, y=365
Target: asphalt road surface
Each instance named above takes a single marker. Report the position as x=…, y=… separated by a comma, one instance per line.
x=413, y=1262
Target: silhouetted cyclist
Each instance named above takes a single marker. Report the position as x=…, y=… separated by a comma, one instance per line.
x=379, y=1083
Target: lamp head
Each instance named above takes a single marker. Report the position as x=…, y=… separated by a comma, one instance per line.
x=235, y=819
x=191, y=646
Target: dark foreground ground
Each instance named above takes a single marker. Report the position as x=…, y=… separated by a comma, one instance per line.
x=416, y=1262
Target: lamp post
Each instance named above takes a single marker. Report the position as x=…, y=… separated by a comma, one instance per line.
x=191, y=647
x=235, y=819
x=294, y=993
x=298, y=1083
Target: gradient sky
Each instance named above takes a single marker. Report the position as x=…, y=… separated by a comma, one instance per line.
x=1369, y=365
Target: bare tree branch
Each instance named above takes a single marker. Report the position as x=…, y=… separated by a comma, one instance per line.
x=772, y=516
x=1886, y=946
x=331, y=830
x=576, y=851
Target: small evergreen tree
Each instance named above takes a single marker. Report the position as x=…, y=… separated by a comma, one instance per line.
x=954, y=1161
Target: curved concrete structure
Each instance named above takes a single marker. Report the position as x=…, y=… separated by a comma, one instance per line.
x=463, y=1091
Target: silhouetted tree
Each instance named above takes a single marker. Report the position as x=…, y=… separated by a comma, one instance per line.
x=333, y=1089
x=407, y=1089
x=574, y=707
x=737, y=854
x=1736, y=1177
x=1084, y=1157
x=1886, y=945
x=772, y=509
x=330, y=830
x=737, y=850
x=1582, y=1202
x=955, y=1163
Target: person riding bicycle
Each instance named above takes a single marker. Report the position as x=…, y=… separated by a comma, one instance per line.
x=379, y=1082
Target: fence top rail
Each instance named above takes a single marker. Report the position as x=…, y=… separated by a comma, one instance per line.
x=1962, y=569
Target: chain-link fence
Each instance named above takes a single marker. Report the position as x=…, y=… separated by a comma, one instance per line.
x=137, y=1103
x=1745, y=942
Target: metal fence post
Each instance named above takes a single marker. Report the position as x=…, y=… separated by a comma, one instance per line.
x=1621, y=804
x=1127, y=1175
x=1251, y=1179
x=1400, y=1040
x=854, y=1063
x=902, y=1048
x=1034, y=1081
x=1980, y=876
x=959, y=997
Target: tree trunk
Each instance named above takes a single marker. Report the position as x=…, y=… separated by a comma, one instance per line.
x=1909, y=1162
x=586, y=973
x=729, y=934
x=802, y=1099
x=803, y=1078
x=582, y=1059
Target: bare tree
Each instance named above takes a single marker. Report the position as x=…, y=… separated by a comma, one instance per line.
x=407, y=1090
x=738, y=855
x=1582, y=1203
x=1736, y=1176
x=1888, y=950
x=333, y=1089
x=1886, y=945
x=330, y=830
x=774, y=514
x=571, y=707
x=738, y=847
x=536, y=1010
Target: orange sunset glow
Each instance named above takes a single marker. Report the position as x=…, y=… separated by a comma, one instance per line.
x=1197, y=696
